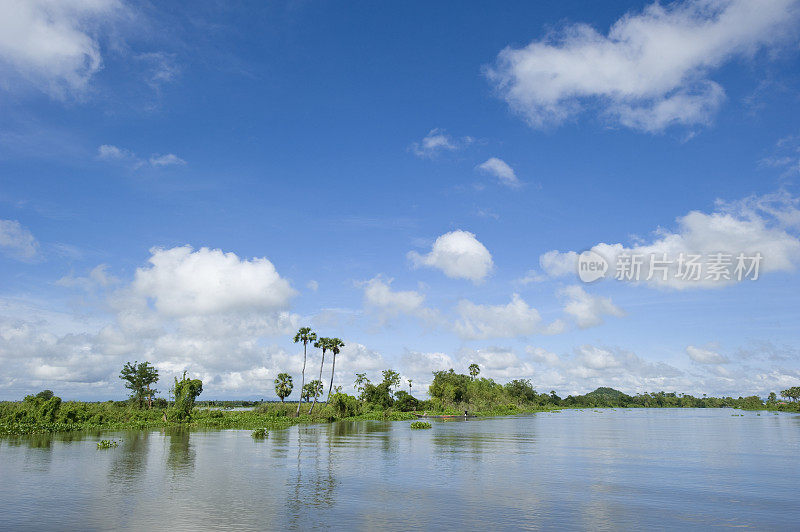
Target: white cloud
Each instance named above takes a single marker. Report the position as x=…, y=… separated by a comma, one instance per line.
x=436, y=142
x=556, y=264
x=459, y=255
x=98, y=277
x=184, y=282
x=111, y=153
x=705, y=355
x=423, y=364
x=649, y=72
x=387, y=303
x=588, y=310
x=108, y=152
x=312, y=285
x=169, y=159
x=517, y=318
x=501, y=170
x=497, y=363
x=759, y=224
x=53, y=44
x=16, y=241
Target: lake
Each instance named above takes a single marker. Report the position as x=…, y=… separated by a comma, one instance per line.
x=599, y=469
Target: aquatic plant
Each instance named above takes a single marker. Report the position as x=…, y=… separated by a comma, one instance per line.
x=259, y=434
x=420, y=425
x=106, y=444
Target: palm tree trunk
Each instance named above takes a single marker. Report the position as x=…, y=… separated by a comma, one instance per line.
x=320, y=380
x=333, y=368
x=302, y=380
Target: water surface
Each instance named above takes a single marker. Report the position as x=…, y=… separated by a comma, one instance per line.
x=592, y=469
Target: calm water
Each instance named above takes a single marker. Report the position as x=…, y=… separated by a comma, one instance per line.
x=604, y=469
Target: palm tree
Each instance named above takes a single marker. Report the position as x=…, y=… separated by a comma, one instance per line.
x=335, y=346
x=409, y=386
x=322, y=343
x=305, y=335
x=283, y=385
x=474, y=370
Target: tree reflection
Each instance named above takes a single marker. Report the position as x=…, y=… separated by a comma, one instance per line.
x=180, y=453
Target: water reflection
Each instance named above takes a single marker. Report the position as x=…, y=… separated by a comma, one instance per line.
x=180, y=453
x=574, y=470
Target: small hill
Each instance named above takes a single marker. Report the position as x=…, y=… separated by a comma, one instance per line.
x=606, y=393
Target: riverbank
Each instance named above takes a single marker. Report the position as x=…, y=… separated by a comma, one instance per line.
x=16, y=419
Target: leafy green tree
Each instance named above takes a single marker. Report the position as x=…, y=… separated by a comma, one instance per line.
x=283, y=385
x=138, y=379
x=390, y=378
x=43, y=406
x=335, y=345
x=772, y=398
x=185, y=392
x=324, y=344
x=792, y=393
x=361, y=381
x=474, y=370
x=305, y=335
x=312, y=389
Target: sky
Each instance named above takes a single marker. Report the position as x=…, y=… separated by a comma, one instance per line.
x=188, y=183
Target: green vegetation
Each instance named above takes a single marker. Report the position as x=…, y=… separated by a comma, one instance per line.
x=420, y=425
x=259, y=434
x=283, y=386
x=138, y=379
x=307, y=336
x=106, y=444
x=450, y=393
x=185, y=392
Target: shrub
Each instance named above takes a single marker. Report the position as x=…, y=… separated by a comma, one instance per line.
x=405, y=401
x=344, y=405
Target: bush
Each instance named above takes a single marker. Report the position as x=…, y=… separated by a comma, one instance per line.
x=405, y=401
x=344, y=405
x=259, y=434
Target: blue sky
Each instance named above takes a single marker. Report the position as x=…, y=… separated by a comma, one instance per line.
x=188, y=183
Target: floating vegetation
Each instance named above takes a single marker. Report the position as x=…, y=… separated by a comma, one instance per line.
x=259, y=434
x=420, y=425
x=106, y=444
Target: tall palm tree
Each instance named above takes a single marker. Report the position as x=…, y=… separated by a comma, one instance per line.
x=322, y=343
x=305, y=335
x=335, y=346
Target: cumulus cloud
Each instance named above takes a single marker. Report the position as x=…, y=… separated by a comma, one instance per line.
x=501, y=170
x=705, y=355
x=459, y=255
x=204, y=310
x=54, y=45
x=588, y=310
x=497, y=363
x=517, y=318
x=765, y=225
x=649, y=72
x=17, y=242
x=181, y=281
x=380, y=299
x=438, y=141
